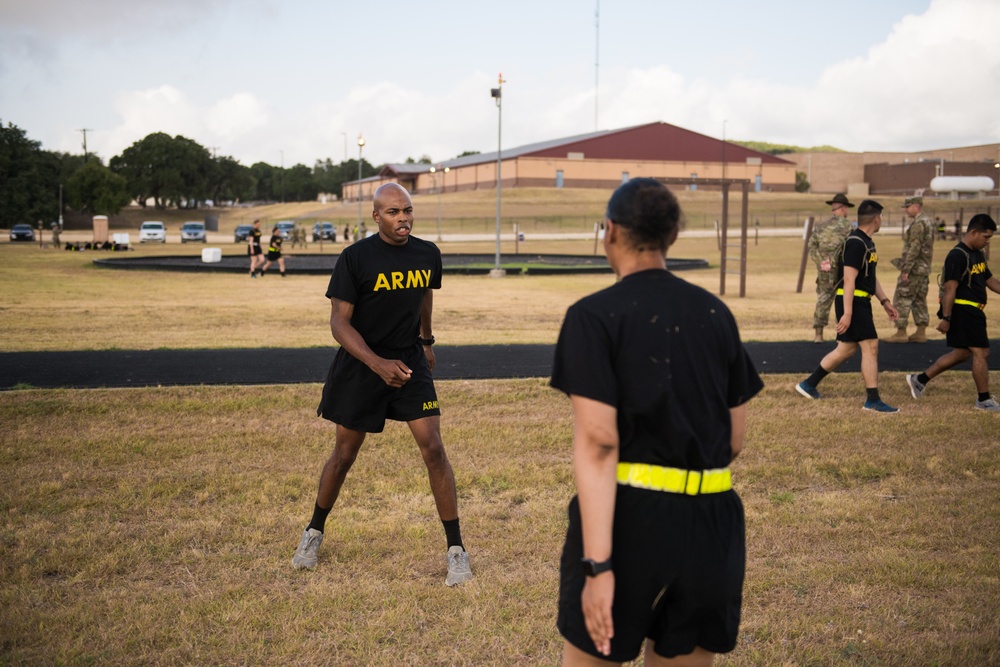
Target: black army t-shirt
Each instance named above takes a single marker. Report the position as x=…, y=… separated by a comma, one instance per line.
x=859, y=253
x=275, y=244
x=386, y=284
x=668, y=356
x=971, y=285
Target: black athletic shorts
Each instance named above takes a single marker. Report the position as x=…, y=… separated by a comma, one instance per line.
x=253, y=251
x=862, y=320
x=968, y=327
x=273, y=256
x=678, y=564
x=355, y=397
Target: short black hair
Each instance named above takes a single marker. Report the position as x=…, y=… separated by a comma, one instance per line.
x=868, y=210
x=647, y=210
x=981, y=222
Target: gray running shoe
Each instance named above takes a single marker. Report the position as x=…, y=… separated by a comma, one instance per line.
x=990, y=405
x=458, y=566
x=305, y=555
x=916, y=389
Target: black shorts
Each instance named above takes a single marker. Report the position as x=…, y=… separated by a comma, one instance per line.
x=862, y=321
x=355, y=397
x=254, y=251
x=678, y=564
x=273, y=256
x=968, y=327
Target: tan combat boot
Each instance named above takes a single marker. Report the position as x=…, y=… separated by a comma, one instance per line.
x=819, y=335
x=898, y=337
x=919, y=336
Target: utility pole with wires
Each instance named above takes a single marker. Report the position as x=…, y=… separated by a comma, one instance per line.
x=85, y=130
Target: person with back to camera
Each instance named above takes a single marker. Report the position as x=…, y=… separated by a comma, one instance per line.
x=914, y=273
x=659, y=382
x=381, y=296
x=855, y=322
x=963, y=320
x=254, y=249
x=274, y=253
x=824, y=247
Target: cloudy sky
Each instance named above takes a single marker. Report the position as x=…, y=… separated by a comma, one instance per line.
x=292, y=81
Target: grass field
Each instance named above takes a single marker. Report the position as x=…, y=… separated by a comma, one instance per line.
x=155, y=526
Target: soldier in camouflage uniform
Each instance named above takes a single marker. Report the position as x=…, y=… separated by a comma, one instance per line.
x=914, y=273
x=825, y=247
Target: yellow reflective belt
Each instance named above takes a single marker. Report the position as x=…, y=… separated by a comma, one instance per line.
x=674, y=480
x=863, y=294
x=980, y=306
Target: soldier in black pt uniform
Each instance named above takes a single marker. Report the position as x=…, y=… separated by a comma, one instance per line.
x=855, y=321
x=963, y=320
x=274, y=253
x=659, y=381
x=381, y=296
x=254, y=250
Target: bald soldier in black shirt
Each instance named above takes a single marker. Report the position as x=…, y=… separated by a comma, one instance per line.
x=381, y=296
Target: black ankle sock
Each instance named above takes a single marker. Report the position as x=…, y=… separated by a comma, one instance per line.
x=453, y=533
x=923, y=379
x=873, y=394
x=319, y=518
x=984, y=397
x=817, y=376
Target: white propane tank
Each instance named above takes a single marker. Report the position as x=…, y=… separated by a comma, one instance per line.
x=961, y=184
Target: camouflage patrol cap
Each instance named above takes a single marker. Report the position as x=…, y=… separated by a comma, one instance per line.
x=840, y=198
x=869, y=207
x=910, y=201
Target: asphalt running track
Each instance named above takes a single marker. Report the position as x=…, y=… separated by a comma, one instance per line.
x=146, y=368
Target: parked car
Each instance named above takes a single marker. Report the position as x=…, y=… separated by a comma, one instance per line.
x=152, y=232
x=325, y=231
x=285, y=228
x=241, y=233
x=193, y=231
x=22, y=232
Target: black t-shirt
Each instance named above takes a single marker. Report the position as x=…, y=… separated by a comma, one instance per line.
x=255, y=235
x=859, y=253
x=275, y=245
x=970, y=269
x=386, y=284
x=667, y=355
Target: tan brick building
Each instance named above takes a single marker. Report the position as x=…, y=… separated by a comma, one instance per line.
x=595, y=160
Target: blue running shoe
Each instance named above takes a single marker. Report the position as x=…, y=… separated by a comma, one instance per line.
x=880, y=406
x=807, y=390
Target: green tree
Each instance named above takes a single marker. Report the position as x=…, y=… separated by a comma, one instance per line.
x=169, y=170
x=801, y=184
x=95, y=189
x=29, y=179
x=300, y=184
x=265, y=180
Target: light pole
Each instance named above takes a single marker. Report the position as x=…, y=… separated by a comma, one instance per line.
x=497, y=93
x=439, y=188
x=361, y=144
x=724, y=149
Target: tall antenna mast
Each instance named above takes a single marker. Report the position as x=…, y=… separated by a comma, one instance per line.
x=597, y=59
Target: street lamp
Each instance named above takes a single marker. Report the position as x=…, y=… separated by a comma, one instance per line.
x=439, y=188
x=497, y=93
x=361, y=145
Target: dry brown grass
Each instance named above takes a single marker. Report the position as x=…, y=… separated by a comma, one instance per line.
x=155, y=526
x=61, y=301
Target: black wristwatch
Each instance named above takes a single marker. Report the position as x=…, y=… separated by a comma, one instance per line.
x=592, y=568
x=946, y=318
x=426, y=341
